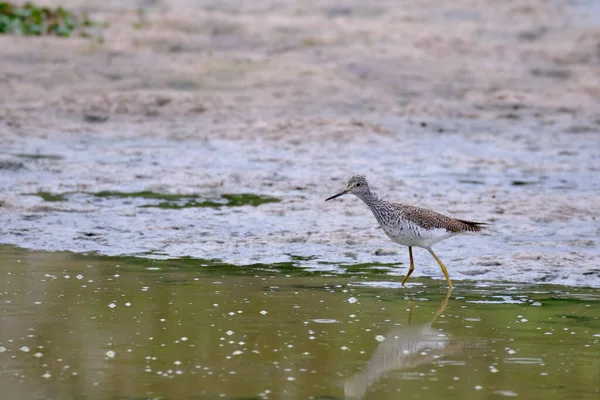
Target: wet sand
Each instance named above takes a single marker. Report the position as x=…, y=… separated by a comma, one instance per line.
x=478, y=109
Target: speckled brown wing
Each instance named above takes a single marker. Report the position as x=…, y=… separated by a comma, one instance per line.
x=431, y=220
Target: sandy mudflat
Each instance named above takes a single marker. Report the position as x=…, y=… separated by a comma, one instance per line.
x=264, y=60
x=484, y=109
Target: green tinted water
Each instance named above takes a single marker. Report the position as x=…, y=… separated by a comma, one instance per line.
x=75, y=327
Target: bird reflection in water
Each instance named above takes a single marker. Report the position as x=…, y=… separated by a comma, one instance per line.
x=405, y=348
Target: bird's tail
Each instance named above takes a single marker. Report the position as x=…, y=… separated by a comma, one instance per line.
x=472, y=226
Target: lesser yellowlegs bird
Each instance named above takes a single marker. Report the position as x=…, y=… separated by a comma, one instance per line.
x=408, y=225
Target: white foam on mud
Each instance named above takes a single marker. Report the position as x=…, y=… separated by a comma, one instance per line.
x=541, y=232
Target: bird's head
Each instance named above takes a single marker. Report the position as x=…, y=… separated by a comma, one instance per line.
x=357, y=185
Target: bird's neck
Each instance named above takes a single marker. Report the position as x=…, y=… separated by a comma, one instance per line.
x=375, y=204
x=370, y=199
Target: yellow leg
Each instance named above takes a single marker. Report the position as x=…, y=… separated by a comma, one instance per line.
x=444, y=270
x=412, y=265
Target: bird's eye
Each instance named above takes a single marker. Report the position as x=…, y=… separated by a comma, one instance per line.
x=358, y=184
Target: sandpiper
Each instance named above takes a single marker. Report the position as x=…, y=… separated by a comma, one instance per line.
x=408, y=225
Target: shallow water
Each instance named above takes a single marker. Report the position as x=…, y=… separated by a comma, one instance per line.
x=76, y=326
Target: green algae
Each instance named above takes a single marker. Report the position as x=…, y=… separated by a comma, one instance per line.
x=47, y=196
x=170, y=201
x=176, y=201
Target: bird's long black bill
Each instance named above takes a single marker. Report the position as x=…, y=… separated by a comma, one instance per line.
x=343, y=192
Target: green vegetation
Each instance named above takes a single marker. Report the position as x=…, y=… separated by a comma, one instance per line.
x=176, y=201
x=32, y=20
x=172, y=201
x=46, y=196
x=142, y=195
x=39, y=156
x=365, y=269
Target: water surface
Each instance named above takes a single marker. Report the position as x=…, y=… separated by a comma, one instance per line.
x=83, y=326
